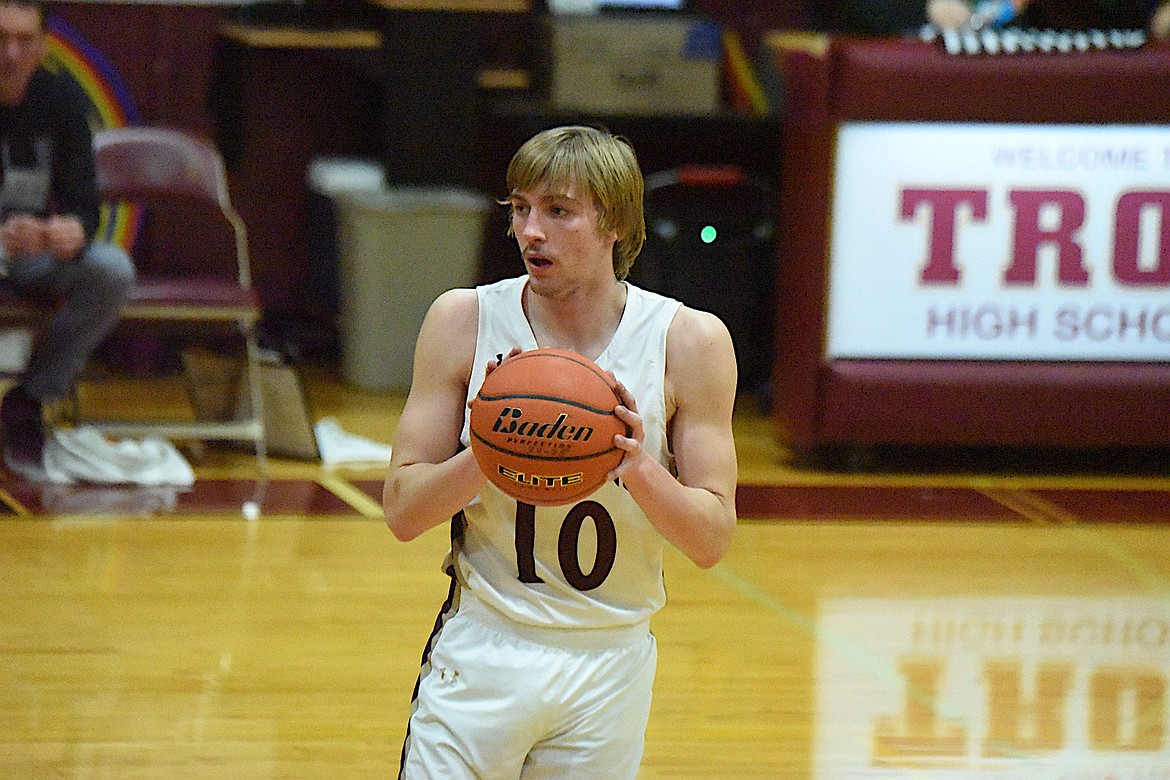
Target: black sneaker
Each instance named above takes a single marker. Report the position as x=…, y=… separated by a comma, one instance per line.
x=24, y=431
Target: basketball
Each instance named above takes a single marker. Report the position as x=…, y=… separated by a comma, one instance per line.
x=542, y=427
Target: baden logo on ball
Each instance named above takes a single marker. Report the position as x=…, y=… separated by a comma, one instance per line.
x=542, y=427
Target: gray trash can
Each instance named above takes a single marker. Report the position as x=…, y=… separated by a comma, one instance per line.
x=327, y=176
x=399, y=248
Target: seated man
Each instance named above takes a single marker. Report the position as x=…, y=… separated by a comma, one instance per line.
x=48, y=217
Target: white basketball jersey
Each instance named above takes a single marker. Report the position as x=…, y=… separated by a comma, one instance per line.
x=596, y=563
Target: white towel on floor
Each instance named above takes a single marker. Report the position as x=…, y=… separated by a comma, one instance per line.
x=338, y=446
x=83, y=454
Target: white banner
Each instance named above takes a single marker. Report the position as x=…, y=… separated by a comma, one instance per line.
x=1001, y=242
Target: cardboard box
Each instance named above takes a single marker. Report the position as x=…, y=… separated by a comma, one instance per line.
x=635, y=64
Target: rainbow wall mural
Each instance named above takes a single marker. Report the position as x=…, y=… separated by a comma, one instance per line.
x=111, y=106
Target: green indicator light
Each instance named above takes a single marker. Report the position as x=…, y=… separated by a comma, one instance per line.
x=708, y=234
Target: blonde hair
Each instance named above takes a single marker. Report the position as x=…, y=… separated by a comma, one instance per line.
x=604, y=165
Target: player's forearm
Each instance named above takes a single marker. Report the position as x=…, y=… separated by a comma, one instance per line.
x=697, y=521
x=419, y=496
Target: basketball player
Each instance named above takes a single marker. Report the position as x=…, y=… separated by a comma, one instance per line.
x=534, y=670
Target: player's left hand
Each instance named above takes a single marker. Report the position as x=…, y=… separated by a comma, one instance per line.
x=627, y=412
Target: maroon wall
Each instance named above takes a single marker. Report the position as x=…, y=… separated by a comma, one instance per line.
x=164, y=54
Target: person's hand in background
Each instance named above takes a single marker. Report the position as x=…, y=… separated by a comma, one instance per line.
x=948, y=14
x=1160, y=22
x=64, y=236
x=22, y=235
x=953, y=14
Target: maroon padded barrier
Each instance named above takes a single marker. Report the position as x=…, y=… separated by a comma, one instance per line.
x=914, y=80
x=1063, y=404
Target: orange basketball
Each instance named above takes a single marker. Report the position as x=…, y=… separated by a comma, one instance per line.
x=542, y=427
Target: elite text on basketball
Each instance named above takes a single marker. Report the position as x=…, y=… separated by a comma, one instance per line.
x=535, y=480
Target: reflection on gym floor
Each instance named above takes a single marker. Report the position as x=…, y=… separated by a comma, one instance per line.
x=977, y=620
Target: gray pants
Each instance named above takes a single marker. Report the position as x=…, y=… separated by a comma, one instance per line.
x=93, y=289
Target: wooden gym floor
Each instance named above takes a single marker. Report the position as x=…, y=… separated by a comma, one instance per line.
x=986, y=615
